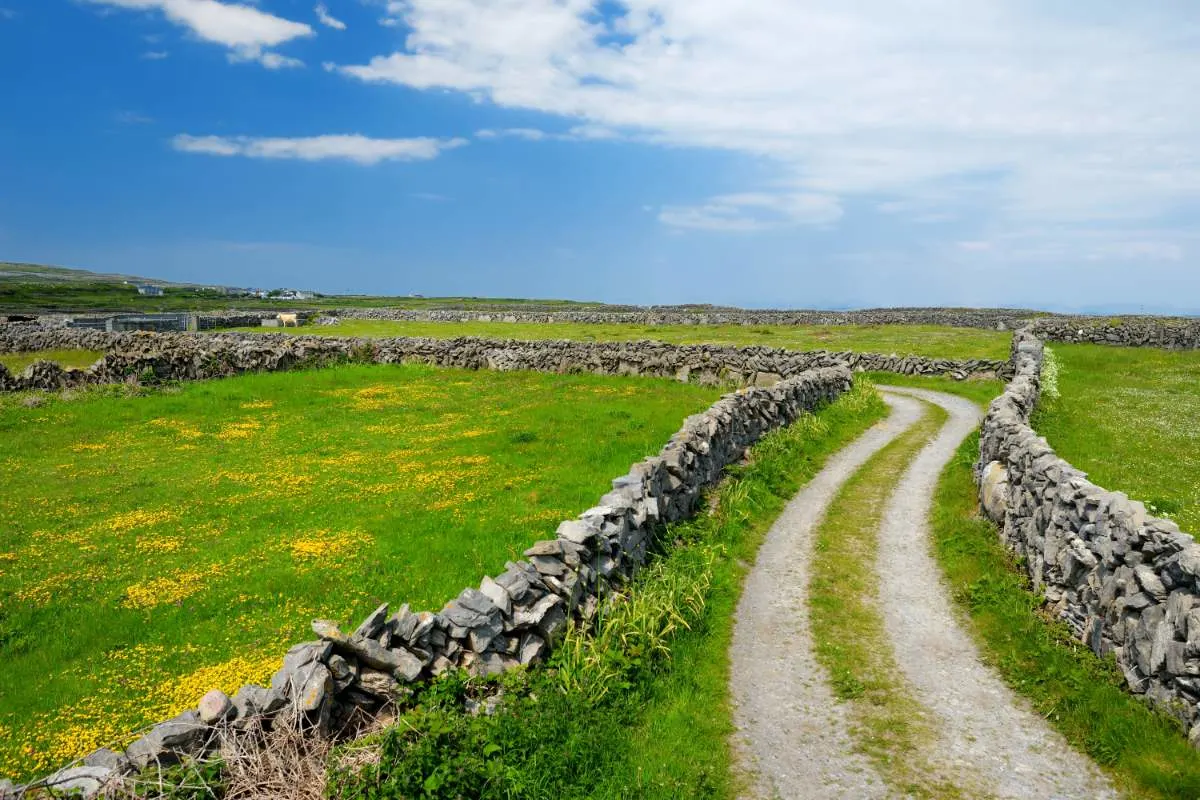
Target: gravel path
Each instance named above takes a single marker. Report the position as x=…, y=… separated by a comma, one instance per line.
x=985, y=730
x=792, y=735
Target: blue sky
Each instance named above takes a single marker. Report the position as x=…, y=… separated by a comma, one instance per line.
x=771, y=153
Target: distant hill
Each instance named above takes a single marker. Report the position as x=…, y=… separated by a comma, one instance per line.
x=14, y=272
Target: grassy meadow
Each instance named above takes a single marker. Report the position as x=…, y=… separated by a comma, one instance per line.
x=640, y=709
x=934, y=341
x=1130, y=418
x=153, y=547
x=17, y=362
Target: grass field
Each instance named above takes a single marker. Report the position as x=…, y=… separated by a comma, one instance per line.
x=154, y=547
x=83, y=294
x=16, y=362
x=934, y=341
x=1130, y=418
x=640, y=710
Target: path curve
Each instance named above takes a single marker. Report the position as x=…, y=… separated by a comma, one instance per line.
x=984, y=729
x=793, y=735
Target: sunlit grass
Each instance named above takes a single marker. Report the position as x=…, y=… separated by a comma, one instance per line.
x=1130, y=418
x=935, y=341
x=16, y=362
x=153, y=547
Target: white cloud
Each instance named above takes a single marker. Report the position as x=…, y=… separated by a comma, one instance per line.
x=245, y=30
x=530, y=134
x=359, y=149
x=754, y=211
x=1078, y=114
x=155, y=55
x=267, y=58
x=576, y=133
x=133, y=118
x=7, y=13
x=327, y=19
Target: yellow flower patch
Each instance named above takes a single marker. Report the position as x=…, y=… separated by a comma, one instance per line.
x=239, y=430
x=159, y=544
x=324, y=545
x=172, y=588
x=257, y=404
x=125, y=521
x=84, y=447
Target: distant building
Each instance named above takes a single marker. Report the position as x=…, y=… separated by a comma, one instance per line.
x=149, y=291
x=291, y=294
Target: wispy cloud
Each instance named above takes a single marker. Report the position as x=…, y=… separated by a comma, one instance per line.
x=529, y=134
x=754, y=211
x=132, y=118
x=574, y=134
x=247, y=31
x=327, y=19
x=355, y=148
x=1067, y=114
x=7, y=13
x=155, y=55
x=432, y=197
x=267, y=58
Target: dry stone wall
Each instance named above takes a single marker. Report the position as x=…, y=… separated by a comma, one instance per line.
x=1171, y=333
x=1127, y=583
x=165, y=356
x=994, y=319
x=511, y=620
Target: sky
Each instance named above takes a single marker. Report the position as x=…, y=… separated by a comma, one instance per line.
x=763, y=153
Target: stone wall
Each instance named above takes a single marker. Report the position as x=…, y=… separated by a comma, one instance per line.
x=135, y=356
x=1126, y=583
x=990, y=318
x=1173, y=333
x=511, y=620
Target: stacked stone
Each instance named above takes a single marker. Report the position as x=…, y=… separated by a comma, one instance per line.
x=1127, y=584
x=183, y=356
x=989, y=318
x=510, y=621
x=1180, y=333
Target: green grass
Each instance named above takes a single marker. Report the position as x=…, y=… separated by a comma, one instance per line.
x=889, y=724
x=642, y=709
x=90, y=293
x=17, y=362
x=1081, y=695
x=980, y=391
x=934, y=341
x=1130, y=418
x=154, y=547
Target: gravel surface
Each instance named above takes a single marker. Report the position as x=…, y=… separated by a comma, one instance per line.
x=793, y=739
x=985, y=730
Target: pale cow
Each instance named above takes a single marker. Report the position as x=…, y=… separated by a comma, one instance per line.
x=289, y=319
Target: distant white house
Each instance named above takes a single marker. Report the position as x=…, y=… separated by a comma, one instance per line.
x=291, y=294
x=149, y=291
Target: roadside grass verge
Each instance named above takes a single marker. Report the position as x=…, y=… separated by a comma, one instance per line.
x=889, y=725
x=17, y=362
x=641, y=708
x=157, y=546
x=935, y=341
x=1130, y=418
x=1080, y=694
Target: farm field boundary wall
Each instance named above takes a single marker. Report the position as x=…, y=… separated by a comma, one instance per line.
x=511, y=620
x=1127, y=584
x=994, y=319
x=136, y=356
x=1171, y=334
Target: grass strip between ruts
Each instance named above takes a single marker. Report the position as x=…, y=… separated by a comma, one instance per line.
x=888, y=723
